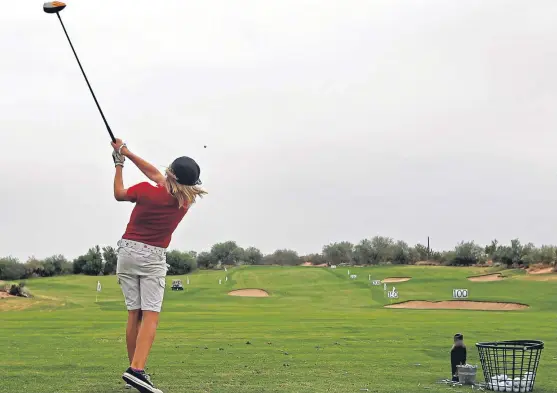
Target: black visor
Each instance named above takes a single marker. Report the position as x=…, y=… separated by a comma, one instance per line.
x=187, y=171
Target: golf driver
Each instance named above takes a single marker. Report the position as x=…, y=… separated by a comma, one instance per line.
x=55, y=7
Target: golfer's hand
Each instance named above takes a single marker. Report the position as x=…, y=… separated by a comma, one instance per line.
x=118, y=158
x=119, y=147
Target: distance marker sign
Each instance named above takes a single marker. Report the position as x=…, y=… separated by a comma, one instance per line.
x=460, y=293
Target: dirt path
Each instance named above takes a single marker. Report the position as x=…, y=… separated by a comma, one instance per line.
x=249, y=293
x=458, y=305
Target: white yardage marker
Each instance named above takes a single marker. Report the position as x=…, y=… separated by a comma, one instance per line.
x=460, y=293
x=98, y=290
x=376, y=282
x=392, y=295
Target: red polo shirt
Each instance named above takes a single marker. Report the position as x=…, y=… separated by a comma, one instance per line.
x=155, y=216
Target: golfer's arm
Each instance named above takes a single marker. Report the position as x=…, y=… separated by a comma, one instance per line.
x=120, y=193
x=148, y=170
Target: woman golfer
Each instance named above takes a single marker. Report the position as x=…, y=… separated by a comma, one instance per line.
x=141, y=266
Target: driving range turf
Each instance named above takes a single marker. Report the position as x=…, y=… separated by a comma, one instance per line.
x=318, y=331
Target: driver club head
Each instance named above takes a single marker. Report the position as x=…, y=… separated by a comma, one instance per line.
x=53, y=7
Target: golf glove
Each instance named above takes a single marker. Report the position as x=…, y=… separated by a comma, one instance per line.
x=118, y=158
x=121, y=147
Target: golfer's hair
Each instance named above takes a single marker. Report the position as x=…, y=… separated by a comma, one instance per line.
x=185, y=195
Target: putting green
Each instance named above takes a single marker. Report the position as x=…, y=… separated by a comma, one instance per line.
x=320, y=331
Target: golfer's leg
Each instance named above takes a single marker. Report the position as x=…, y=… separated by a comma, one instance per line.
x=152, y=294
x=145, y=339
x=130, y=288
x=132, y=330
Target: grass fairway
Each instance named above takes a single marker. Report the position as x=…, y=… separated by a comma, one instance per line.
x=318, y=332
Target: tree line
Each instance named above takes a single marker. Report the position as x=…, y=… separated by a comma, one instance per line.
x=377, y=250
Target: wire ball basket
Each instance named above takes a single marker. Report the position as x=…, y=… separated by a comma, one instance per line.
x=510, y=366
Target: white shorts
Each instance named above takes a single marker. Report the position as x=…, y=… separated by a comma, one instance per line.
x=144, y=293
x=141, y=271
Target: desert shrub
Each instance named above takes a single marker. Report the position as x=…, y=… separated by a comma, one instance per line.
x=11, y=269
x=90, y=264
x=180, y=262
x=283, y=258
x=18, y=290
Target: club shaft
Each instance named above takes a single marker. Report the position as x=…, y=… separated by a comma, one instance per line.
x=86, y=80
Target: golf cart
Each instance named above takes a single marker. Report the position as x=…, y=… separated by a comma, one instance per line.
x=177, y=285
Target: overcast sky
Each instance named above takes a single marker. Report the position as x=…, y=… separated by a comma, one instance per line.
x=324, y=120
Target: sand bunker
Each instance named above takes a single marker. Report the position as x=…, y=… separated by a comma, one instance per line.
x=487, y=277
x=540, y=277
x=547, y=270
x=5, y=294
x=311, y=264
x=396, y=279
x=249, y=293
x=458, y=305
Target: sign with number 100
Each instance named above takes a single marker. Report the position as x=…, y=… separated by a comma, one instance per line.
x=460, y=293
x=392, y=295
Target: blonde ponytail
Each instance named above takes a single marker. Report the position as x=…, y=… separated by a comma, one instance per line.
x=185, y=195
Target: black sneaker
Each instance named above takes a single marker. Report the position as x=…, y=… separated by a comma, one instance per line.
x=140, y=381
